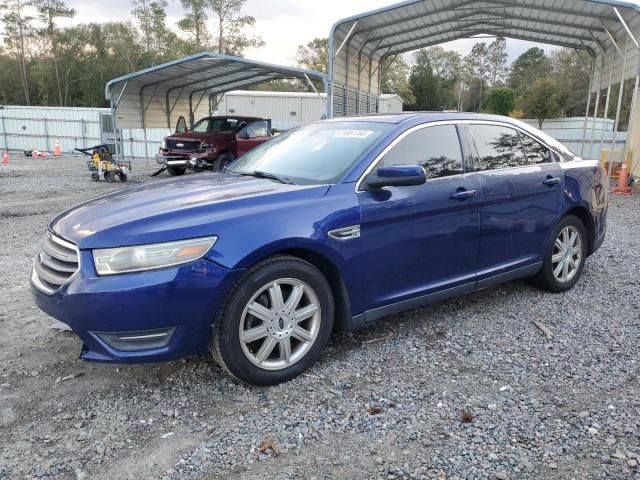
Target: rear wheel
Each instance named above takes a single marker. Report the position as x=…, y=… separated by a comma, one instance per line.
x=564, y=256
x=222, y=161
x=274, y=323
x=176, y=171
x=109, y=177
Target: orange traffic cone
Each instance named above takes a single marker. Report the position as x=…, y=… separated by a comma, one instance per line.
x=5, y=159
x=623, y=187
x=57, y=151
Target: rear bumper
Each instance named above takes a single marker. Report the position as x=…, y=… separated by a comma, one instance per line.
x=140, y=317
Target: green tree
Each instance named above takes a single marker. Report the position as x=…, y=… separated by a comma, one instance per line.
x=395, y=79
x=500, y=101
x=572, y=69
x=528, y=67
x=314, y=55
x=446, y=64
x=424, y=84
x=195, y=24
x=545, y=99
x=477, y=70
x=18, y=28
x=49, y=11
x=232, y=38
x=497, y=60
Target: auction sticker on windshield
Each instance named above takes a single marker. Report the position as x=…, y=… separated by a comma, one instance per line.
x=353, y=133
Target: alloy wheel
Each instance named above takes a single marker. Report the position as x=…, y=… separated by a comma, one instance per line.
x=567, y=254
x=280, y=324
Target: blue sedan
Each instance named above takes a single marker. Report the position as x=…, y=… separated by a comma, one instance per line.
x=333, y=225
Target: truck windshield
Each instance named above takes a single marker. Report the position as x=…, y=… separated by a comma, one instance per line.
x=216, y=125
x=315, y=154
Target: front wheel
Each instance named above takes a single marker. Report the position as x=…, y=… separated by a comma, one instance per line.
x=222, y=161
x=564, y=256
x=274, y=323
x=176, y=171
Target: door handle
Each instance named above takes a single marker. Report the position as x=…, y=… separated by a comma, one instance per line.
x=552, y=181
x=462, y=194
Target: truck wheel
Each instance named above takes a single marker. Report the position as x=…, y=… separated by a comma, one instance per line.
x=222, y=161
x=274, y=323
x=564, y=257
x=176, y=171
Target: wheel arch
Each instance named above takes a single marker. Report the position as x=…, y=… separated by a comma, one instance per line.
x=341, y=298
x=587, y=220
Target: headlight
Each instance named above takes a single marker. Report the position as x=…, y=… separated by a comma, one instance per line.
x=163, y=144
x=205, y=146
x=112, y=261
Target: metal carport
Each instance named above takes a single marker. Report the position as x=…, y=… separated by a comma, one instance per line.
x=189, y=87
x=608, y=29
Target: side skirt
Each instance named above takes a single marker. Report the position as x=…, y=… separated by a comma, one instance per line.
x=370, y=316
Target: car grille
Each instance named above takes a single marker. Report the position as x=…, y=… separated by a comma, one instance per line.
x=55, y=265
x=182, y=145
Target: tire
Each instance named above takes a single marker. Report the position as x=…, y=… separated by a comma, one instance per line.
x=264, y=359
x=556, y=256
x=95, y=177
x=176, y=171
x=109, y=177
x=222, y=161
x=123, y=177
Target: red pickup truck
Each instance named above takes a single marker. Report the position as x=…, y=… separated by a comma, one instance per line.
x=211, y=143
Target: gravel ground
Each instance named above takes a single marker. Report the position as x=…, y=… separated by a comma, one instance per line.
x=466, y=389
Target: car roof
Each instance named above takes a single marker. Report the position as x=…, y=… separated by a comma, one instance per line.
x=398, y=118
x=235, y=117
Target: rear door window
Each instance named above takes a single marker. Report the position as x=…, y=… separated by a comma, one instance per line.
x=436, y=149
x=498, y=147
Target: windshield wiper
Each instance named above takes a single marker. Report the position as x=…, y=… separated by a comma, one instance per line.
x=268, y=175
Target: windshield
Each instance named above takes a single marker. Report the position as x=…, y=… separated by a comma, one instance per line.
x=216, y=125
x=314, y=154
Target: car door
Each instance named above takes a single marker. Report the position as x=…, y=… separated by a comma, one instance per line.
x=253, y=135
x=421, y=239
x=522, y=187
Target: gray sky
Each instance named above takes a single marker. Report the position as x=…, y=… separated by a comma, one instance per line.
x=282, y=24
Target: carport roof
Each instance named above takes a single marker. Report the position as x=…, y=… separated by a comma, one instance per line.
x=152, y=97
x=206, y=70
x=414, y=24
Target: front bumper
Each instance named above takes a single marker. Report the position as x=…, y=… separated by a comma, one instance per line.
x=182, y=159
x=139, y=307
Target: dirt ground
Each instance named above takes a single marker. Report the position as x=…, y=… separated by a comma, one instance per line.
x=469, y=388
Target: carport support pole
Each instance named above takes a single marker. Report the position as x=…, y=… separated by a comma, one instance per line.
x=586, y=113
x=595, y=112
x=633, y=143
x=4, y=134
x=144, y=129
x=618, y=108
x=605, y=114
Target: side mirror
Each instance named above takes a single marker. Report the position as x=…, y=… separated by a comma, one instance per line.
x=397, y=176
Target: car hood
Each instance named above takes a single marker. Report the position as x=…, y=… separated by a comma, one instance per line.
x=175, y=209
x=191, y=136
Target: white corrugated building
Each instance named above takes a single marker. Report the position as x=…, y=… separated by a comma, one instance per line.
x=24, y=128
x=289, y=109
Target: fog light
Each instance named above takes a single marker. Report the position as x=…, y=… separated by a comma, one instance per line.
x=135, y=341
